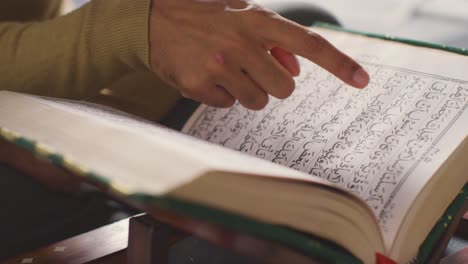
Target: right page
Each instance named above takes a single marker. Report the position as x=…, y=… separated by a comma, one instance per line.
x=383, y=142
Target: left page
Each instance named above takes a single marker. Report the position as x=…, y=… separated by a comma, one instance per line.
x=383, y=142
x=132, y=154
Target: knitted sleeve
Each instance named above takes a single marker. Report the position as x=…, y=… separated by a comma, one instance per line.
x=75, y=55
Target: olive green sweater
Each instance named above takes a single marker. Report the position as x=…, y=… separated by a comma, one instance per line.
x=77, y=55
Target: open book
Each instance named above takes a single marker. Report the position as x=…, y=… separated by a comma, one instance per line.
x=359, y=168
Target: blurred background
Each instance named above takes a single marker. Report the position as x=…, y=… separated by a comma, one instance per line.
x=440, y=21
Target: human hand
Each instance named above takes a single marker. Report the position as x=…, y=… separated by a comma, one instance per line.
x=53, y=177
x=217, y=51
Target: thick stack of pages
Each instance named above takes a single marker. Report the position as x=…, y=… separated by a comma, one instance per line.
x=360, y=168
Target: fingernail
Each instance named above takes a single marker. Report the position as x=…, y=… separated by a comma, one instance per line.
x=361, y=78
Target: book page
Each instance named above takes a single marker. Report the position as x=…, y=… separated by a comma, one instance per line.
x=117, y=146
x=383, y=142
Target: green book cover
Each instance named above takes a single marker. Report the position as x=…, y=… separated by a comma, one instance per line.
x=315, y=247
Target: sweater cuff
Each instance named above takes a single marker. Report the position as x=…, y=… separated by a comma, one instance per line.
x=117, y=33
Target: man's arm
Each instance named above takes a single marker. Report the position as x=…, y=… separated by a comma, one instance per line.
x=214, y=51
x=76, y=55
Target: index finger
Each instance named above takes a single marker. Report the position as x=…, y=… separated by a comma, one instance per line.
x=303, y=42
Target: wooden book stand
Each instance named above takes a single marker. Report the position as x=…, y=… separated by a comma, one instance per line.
x=143, y=240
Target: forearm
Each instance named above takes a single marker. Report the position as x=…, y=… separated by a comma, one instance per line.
x=75, y=55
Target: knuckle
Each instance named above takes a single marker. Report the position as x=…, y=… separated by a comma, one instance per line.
x=315, y=42
x=346, y=66
x=282, y=85
x=257, y=102
x=217, y=64
x=240, y=43
x=287, y=88
x=226, y=102
x=194, y=85
x=185, y=91
x=191, y=92
x=186, y=84
x=233, y=40
x=218, y=98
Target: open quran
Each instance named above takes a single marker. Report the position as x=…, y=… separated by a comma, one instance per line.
x=357, y=168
